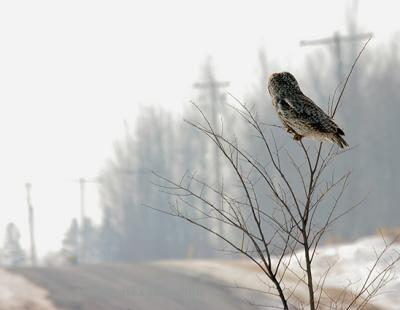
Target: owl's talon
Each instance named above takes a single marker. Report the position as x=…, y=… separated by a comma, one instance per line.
x=289, y=129
x=297, y=137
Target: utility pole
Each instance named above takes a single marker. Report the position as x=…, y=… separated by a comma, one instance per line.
x=28, y=187
x=82, y=235
x=213, y=86
x=337, y=40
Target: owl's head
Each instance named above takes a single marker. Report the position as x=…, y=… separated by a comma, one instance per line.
x=282, y=84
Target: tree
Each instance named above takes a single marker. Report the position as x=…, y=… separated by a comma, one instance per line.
x=303, y=193
x=12, y=253
x=109, y=238
x=135, y=233
x=70, y=244
x=90, y=244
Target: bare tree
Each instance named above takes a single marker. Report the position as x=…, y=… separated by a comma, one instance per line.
x=287, y=231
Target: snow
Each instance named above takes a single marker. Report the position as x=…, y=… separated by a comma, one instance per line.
x=349, y=266
x=17, y=293
x=352, y=264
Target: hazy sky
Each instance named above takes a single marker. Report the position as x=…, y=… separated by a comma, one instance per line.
x=72, y=71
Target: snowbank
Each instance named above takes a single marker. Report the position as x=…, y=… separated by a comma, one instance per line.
x=348, y=263
x=352, y=264
x=17, y=293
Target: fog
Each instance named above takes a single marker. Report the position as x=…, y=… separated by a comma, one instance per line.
x=94, y=96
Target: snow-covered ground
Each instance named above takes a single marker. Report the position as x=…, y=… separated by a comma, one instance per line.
x=352, y=264
x=349, y=266
x=16, y=293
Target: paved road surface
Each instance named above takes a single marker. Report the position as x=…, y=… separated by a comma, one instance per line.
x=130, y=287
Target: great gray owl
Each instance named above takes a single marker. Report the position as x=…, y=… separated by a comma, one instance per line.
x=299, y=114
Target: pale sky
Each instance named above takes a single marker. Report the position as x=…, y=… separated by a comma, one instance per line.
x=72, y=71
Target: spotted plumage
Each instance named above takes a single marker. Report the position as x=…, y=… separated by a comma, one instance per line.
x=299, y=114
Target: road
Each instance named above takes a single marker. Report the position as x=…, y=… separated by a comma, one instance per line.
x=130, y=287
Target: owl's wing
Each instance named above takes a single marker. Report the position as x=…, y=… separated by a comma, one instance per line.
x=282, y=104
x=305, y=110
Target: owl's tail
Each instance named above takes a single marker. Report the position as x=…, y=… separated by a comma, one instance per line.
x=337, y=138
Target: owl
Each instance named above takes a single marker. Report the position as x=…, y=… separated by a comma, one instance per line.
x=299, y=114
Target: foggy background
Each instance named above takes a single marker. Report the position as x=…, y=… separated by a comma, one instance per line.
x=93, y=98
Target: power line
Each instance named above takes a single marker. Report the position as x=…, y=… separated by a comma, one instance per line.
x=337, y=40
